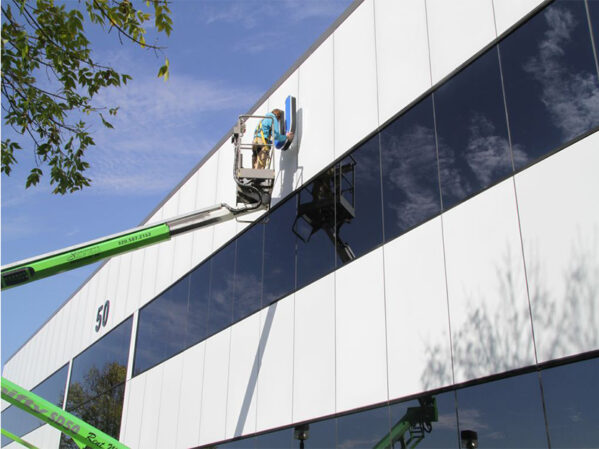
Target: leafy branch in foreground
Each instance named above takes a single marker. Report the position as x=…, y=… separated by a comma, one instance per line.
x=42, y=39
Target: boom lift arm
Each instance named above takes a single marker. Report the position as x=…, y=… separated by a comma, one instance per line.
x=254, y=188
x=82, y=433
x=86, y=253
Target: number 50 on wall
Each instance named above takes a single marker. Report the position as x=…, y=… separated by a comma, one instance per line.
x=102, y=315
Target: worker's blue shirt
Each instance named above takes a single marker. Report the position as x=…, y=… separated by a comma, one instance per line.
x=268, y=128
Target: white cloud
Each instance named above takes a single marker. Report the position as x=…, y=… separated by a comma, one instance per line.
x=252, y=14
x=571, y=98
x=160, y=132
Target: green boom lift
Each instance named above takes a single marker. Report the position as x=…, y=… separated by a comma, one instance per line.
x=254, y=188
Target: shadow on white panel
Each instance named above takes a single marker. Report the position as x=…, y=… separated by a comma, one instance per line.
x=244, y=365
x=488, y=302
x=560, y=228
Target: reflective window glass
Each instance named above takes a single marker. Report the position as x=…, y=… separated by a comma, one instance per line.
x=571, y=393
x=432, y=420
x=248, y=272
x=103, y=412
x=220, y=310
x=199, y=298
x=503, y=414
x=320, y=435
x=279, y=252
x=409, y=166
x=594, y=14
x=363, y=429
x=18, y=422
x=315, y=227
x=246, y=443
x=101, y=366
x=161, y=327
x=550, y=80
x=472, y=130
x=359, y=209
x=281, y=439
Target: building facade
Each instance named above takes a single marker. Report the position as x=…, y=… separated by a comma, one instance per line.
x=428, y=273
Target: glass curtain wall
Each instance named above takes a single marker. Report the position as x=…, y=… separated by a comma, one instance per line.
x=521, y=100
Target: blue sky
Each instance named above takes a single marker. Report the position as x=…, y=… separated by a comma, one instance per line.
x=223, y=56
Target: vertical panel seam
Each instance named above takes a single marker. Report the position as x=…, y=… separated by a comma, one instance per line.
x=162, y=369
x=378, y=124
x=141, y=420
x=593, y=44
x=335, y=271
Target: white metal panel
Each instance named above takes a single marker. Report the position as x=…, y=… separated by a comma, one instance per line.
x=135, y=280
x=133, y=407
x=315, y=137
x=115, y=309
x=356, y=110
x=75, y=326
x=51, y=437
x=188, y=425
x=225, y=192
x=166, y=250
x=508, y=12
x=457, y=30
x=205, y=196
x=43, y=437
x=118, y=300
x=285, y=162
x=275, y=379
x=184, y=243
x=58, y=343
x=244, y=363
x=214, y=390
x=132, y=341
x=151, y=408
x=488, y=303
x=314, y=350
x=150, y=268
x=402, y=54
x=560, y=228
x=418, y=343
x=100, y=300
x=170, y=396
x=361, y=371
x=38, y=368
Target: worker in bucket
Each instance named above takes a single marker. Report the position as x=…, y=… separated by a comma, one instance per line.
x=267, y=129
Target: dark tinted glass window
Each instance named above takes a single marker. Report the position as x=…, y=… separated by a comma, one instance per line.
x=161, y=327
x=275, y=440
x=410, y=176
x=363, y=429
x=359, y=205
x=432, y=417
x=504, y=414
x=248, y=272
x=550, y=80
x=199, y=298
x=594, y=14
x=220, y=310
x=18, y=422
x=246, y=443
x=101, y=366
x=315, y=227
x=571, y=394
x=103, y=412
x=279, y=252
x=472, y=131
x=321, y=435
